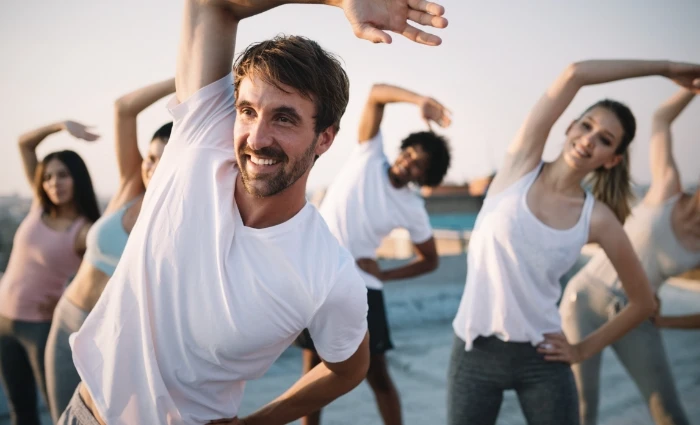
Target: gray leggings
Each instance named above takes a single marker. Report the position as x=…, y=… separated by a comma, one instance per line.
x=61, y=377
x=477, y=378
x=22, y=367
x=586, y=305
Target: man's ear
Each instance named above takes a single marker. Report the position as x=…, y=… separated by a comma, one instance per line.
x=325, y=140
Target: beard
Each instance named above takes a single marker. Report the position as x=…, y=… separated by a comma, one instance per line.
x=269, y=184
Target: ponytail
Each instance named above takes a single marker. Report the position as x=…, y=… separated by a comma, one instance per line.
x=613, y=186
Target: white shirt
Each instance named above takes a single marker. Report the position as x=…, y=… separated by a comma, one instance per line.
x=362, y=207
x=199, y=303
x=513, y=268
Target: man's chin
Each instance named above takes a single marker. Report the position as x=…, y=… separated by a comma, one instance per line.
x=259, y=189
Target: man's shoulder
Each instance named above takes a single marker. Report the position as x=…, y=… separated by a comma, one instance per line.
x=318, y=235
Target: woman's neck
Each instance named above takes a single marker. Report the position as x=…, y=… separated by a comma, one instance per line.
x=67, y=211
x=561, y=178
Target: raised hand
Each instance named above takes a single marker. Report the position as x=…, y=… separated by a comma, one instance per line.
x=80, y=131
x=371, y=19
x=685, y=75
x=434, y=111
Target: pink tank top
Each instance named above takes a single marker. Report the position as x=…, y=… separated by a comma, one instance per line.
x=41, y=262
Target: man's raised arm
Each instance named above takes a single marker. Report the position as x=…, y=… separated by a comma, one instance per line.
x=383, y=94
x=208, y=35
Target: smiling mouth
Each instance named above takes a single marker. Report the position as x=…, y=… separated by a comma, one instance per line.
x=263, y=162
x=581, y=152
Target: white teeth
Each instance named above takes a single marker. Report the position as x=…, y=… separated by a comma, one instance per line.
x=263, y=161
x=580, y=152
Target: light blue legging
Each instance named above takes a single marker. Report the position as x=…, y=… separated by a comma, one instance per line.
x=586, y=305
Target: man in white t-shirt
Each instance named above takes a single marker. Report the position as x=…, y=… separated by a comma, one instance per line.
x=367, y=200
x=227, y=262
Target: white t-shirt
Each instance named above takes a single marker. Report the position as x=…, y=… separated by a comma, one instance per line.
x=514, y=265
x=199, y=303
x=361, y=206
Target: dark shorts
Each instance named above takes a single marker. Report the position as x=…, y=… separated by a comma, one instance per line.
x=377, y=324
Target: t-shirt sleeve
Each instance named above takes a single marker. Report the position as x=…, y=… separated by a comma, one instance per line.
x=418, y=225
x=373, y=146
x=340, y=323
x=206, y=118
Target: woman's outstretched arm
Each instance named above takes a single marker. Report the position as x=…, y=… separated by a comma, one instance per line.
x=29, y=141
x=126, y=110
x=526, y=150
x=665, y=179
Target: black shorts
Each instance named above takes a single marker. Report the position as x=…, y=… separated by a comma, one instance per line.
x=377, y=325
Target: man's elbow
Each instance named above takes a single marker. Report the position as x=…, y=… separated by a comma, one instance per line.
x=123, y=106
x=377, y=93
x=433, y=263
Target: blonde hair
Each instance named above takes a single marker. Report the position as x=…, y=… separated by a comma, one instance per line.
x=613, y=187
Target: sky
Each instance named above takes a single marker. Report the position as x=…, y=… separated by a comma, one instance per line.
x=72, y=59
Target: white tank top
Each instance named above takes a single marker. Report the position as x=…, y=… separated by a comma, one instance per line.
x=661, y=254
x=514, y=266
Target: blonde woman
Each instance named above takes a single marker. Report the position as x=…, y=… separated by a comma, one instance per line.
x=665, y=233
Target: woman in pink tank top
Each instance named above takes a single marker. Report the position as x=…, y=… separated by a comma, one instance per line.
x=47, y=250
x=106, y=240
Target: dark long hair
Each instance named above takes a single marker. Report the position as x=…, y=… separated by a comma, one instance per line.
x=84, y=198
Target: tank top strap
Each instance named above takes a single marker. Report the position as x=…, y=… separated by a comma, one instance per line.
x=588, y=205
x=75, y=227
x=532, y=176
x=131, y=202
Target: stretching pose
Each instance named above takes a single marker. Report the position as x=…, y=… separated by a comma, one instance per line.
x=212, y=285
x=368, y=199
x=535, y=219
x=105, y=241
x=665, y=233
x=46, y=252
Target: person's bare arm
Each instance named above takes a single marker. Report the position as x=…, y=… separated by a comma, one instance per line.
x=126, y=110
x=29, y=141
x=81, y=239
x=382, y=94
x=607, y=231
x=525, y=152
x=665, y=179
x=208, y=34
x=320, y=386
x=427, y=260
x=691, y=321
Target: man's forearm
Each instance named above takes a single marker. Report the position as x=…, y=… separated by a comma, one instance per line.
x=385, y=93
x=415, y=268
x=314, y=390
x=246, y=8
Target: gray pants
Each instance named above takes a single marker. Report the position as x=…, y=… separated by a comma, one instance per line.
x=586, y=305
x=61, y=376
x=77, y=413
x=477, y=378
x=22, y=367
